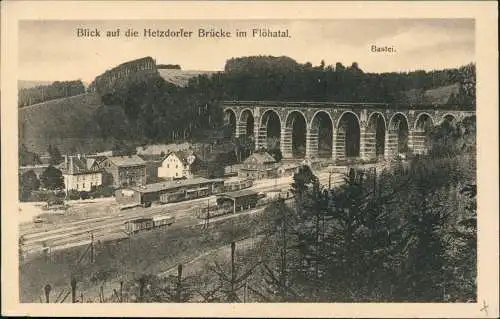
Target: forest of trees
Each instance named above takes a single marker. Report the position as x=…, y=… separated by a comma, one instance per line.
x=27, y=158
x=56, y=90
x=168, y=66
x=407, y=234
x=156, y=111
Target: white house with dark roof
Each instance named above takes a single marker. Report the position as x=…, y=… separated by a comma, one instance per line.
x=181, y=164
x=80, y=173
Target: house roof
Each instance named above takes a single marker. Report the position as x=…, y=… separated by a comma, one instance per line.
x=183, y=155
x=157, y=187
x=260, y=158
x=131, y=160
x=75, y=165
x=289, y=166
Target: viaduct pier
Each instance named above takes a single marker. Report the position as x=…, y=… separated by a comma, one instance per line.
x=336, y=131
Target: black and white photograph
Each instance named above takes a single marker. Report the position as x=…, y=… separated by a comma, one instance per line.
x=234, y=161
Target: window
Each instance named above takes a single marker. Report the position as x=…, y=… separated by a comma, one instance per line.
x=168, y=165
x=176, y=174
x=176, y=166
x=83, y=185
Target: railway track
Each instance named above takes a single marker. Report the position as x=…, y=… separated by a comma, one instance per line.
x=78, y=233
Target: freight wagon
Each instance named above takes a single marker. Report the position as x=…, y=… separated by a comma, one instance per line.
x=168, y=192
x=142, y=224
x=137, y=225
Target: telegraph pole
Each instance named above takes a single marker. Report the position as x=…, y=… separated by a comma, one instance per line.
x=47, y=290
x=73, y=289
x=233, y=271
x=179, y=283
x=92, y=247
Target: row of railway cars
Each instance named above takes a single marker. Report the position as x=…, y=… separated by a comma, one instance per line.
x=146, y=223
x=202, y=212
x=176, y=191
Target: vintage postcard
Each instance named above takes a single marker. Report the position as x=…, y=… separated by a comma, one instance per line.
x=289, y=159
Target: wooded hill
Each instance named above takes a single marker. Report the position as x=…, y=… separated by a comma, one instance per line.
x=160, y=112
x=156, y=111
x=42, y=93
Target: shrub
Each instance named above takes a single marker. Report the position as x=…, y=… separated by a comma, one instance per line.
x=101, y=191
x=84, y=195
x=55, y=201
x=45, y=195
x=73, y=194
x=39, y=196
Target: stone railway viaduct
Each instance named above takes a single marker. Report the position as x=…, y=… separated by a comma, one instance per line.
x=336, y=131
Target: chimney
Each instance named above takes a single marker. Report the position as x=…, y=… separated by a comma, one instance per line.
x=70, y=169
x=78, y=155
x=65, y=160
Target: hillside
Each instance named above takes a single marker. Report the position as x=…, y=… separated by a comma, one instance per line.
x=67, y=123
x=443, y=95
x=157, y=106
x=52, y=91
x=181, y=77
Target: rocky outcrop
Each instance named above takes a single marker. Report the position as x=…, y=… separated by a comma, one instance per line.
x=131, y=71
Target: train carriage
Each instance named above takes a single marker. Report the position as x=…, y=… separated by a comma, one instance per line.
x=163, y=220
x=139, y=224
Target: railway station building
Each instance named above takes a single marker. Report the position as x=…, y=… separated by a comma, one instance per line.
x=167, y=192
x=259, y=165
x=240, y=200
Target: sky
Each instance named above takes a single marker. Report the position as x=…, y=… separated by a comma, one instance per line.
x=51, y=51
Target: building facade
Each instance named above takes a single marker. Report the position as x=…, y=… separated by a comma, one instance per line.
x=258, y=166
x=169, y=191
x=287, y=169
x=179, y=165
x=80, y=173
x=124, y=171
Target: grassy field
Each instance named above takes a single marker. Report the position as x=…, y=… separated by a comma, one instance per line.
x=181, y=77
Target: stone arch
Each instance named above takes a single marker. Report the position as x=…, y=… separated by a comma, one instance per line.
x=375, y=135
x=270, y=129
x=451, y=118
x=347, y=139
x=423, y=121
x=321, y=135
x=397, y=138
x=230, y=120
x=246, y=123
x=296, y=124
x=342, y=115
